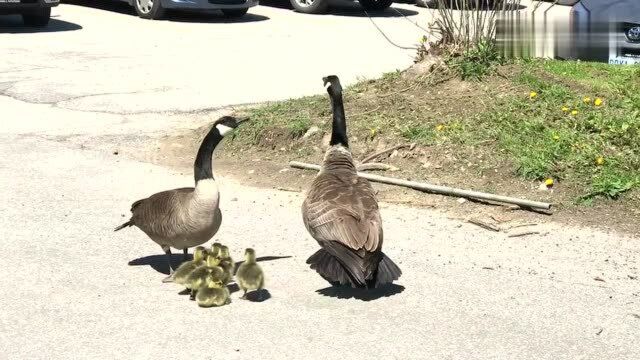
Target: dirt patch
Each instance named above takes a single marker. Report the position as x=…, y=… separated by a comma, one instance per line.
x=421, y=104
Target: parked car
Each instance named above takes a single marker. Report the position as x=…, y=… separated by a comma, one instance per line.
x=602, y=30
x=321, y=6
x=34, y=12
x=156, y=9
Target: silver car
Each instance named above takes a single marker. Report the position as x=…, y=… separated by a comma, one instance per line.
x=602, y=30
x=155, y=9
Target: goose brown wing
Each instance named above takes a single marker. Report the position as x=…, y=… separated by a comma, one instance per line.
x=161, y=213
x=343, y=208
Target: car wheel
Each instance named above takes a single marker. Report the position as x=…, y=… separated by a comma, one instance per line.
x=38, y=18
x=149, y=9
x=234, y=13
x=310, y=6
x=375, y=4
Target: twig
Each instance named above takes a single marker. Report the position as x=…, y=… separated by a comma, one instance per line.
x=375, y=166
x=286, y=189
x=484, y=224
x=524, y=233
x=437, y=189
x=385, y=151
x=522, y=225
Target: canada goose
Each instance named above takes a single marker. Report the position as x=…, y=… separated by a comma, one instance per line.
x=213, y=293
x=341, y=214
x=226, y=263
x=250, y=275
x=183, y=271
x=199, y=276
x=185, y=217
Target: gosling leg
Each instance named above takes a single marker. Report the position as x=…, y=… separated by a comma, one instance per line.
x=167, y=251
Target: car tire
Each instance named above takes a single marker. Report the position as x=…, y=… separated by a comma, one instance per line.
x=234, y=13
x=375, y=5
x=149, y=9
x=38, y=18
x=310, y=6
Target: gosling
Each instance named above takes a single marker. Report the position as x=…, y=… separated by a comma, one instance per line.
x=213, y=293
x=250, y=275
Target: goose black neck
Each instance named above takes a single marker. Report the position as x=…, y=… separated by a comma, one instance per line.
x=202, y=166
x=339, y=126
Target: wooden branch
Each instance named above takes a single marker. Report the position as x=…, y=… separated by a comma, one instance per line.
x=385, y=151
x=524, y=233
x=375, y=166
x=484, y=224
x=437, y=189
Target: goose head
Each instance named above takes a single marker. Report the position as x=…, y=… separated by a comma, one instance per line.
x=226, y=124
x=332, y=84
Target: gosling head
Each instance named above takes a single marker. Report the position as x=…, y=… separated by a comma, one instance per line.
x=250, y=255
x=226, y=124
x=224, y=252
x=198, y=254
x=215, y=249
x=332, y=84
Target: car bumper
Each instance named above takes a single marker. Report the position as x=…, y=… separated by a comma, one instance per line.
x=208, y=4
x=11, y=5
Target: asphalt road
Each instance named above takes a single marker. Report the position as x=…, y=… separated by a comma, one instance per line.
x=75, y=289
x=112, y=61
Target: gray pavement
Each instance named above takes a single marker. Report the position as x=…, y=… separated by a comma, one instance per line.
x=74, y=289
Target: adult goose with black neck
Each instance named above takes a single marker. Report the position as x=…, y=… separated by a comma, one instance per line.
x=341, y=213
x=185, y=217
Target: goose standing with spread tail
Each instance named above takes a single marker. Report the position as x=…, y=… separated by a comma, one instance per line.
x=341, y=213
x=185, y=217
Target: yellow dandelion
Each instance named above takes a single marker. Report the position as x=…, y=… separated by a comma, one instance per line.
x=587, y=100
x=532, y=95
x=597, y=102
x=549, y=182
x=440, y=127
x=565, y=109
x=599, y=160
x=556, y=137
x=574, y=112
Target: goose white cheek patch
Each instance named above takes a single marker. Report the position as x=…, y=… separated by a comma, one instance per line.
x=223, y=129
x=326, y=86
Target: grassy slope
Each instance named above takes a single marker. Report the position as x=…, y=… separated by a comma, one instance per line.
x=594, y=150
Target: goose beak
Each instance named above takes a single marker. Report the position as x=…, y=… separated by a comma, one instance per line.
x=240, y=120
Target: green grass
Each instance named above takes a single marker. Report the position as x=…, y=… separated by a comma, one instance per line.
x=547, y=141
x=534, y=134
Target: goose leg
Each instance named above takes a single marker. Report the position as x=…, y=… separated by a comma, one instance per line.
x=185, y=253
x=167, y=251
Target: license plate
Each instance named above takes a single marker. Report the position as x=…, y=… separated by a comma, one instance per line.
x=624, y=60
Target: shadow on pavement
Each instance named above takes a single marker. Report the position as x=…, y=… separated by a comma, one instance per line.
x=159, y=262
x=172, y=15
x=345, y=292
x=13, y=25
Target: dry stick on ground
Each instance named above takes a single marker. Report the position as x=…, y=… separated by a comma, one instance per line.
x=385, y=151
x=484, y=224
x=524, y=233
x=375, y=166
x=437, y=189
